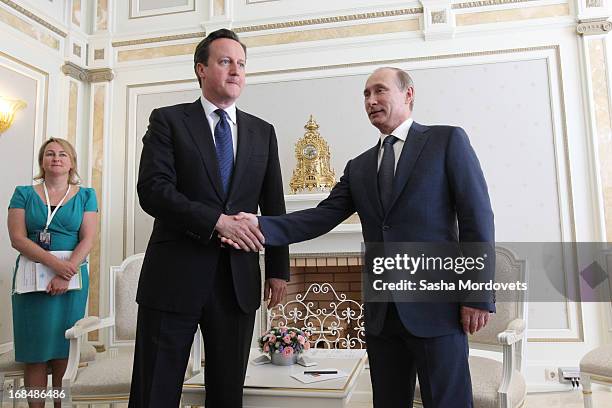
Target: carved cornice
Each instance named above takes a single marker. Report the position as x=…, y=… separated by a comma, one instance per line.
x=87, y=75
x=34, y=17
x=328, y=20
x=275, y=26
x=199, y=34
x=74, y=71
x=486, y=3
x=594, y=26
x=100, y=75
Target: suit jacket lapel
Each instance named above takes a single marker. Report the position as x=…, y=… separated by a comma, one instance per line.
x=371, y=182
x=410, y=153
x=244, y=147
x=199, y=129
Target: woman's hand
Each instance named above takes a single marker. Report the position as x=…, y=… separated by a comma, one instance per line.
x=57, y=286
x=64, y=269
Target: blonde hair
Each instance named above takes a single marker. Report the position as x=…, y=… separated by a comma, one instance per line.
x=73, y=174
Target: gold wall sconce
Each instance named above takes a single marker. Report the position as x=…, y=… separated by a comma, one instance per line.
x=8, y=108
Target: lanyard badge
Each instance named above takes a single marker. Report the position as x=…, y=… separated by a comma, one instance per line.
x=44, y=237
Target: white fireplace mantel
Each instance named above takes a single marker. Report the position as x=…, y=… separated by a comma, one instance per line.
x=344, y=238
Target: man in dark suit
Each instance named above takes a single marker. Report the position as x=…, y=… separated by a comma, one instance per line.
x=430, y=189
x=200, y=161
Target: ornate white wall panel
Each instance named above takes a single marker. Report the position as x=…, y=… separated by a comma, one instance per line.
x=26, y=23
x=54, y=10
x=20, y=144
x=148, y=8
x=135, y=17
x=517, y=143
x=264, y=12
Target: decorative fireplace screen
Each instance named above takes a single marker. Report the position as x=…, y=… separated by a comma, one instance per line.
x=334, y=321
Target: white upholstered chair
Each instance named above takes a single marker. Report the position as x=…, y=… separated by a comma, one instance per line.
x=500, y=384
x=107, y=380
x=595, y=367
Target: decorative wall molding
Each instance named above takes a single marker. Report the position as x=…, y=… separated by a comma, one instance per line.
x=221, y=15
x=102, y=15
x=99, y=135
x=438, y=19
x=100, y=75
x=135, y=11
x=73, y=110
x=594, y=3
x=275, y=26
x=513, y=14
x=330, y=20
x=291, y=37
x=487, y=3
x=75, y=13
x=186, y=36
x=599, y=95
x=34, y=17
x=100, y=52
x=87, y=75
x=76, y=72
x=28, y=28
x=587, y=10
x=594, y=26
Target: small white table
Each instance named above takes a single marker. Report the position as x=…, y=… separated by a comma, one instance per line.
x=272, y=386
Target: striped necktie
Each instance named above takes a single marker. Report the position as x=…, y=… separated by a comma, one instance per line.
x=225, y=149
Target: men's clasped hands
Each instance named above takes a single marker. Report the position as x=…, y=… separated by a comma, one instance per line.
x=241, y=231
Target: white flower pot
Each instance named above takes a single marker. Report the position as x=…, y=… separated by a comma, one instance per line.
x=281, y=360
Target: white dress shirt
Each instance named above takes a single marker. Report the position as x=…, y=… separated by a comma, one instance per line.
x=401, y=132
x=213, y=119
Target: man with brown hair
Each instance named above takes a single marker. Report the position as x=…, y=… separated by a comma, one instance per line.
x=200, y=161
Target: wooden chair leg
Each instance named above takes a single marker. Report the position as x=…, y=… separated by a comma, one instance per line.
x=586, y=390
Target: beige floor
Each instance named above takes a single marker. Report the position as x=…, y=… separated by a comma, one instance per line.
x=601, y=399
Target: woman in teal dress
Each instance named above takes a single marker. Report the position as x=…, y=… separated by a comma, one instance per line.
x=40, y=319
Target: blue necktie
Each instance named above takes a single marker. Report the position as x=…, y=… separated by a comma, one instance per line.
x=386, y=172
x=225, y=149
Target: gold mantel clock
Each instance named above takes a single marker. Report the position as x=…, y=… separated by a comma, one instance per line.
x=312, y=171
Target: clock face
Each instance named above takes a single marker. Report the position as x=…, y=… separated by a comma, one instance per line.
x=310, y=152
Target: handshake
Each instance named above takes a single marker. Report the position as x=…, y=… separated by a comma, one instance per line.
x=240, y=231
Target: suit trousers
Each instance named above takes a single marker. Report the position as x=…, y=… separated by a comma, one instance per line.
x=396, y=358
x=163, y=343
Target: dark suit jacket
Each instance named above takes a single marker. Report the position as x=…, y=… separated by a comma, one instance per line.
x=179, y=184
x=439, y=195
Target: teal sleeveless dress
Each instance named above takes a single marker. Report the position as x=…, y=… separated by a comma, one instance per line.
x=39, y=319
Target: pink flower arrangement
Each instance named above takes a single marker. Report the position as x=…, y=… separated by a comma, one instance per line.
x=285, y=340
